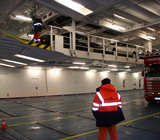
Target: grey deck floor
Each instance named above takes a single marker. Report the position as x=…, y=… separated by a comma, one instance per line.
x=70, y=118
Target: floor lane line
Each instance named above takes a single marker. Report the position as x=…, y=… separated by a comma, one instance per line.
x=86, y=133
x=63, y=111
x=58, y=118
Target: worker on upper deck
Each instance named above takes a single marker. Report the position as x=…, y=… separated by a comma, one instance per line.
x=37, y=28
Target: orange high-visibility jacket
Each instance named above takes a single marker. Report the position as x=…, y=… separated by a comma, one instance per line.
x=106, y=106
x=107, y=99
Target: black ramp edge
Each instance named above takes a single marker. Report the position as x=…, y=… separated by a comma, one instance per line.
x=16, y=134
x=58, y=130
x=8, y=113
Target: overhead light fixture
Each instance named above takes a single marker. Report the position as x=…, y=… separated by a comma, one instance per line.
x=114, y=69
x=79, y=63
x=84, y=68
x=36, y=68
x=151, y=37
x=112, y=66
x=122, y=72
x=23, y=18
x=78, y=32
x=6, y=65
x=114, y=40
x=74, y=67
x=14, y=62
x=118, y=27
x=75, y=6
x=119, y=16
x=151, y=29
x=92, y=70
x=127, y=67
x=29, y=58
x=56, y=69
x=106, y=71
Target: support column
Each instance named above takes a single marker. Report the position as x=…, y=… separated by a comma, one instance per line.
x=148, y=46
x=73, y=35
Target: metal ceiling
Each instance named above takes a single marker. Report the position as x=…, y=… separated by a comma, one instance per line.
x=140, y=17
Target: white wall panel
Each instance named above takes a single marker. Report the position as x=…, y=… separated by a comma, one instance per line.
x=18, y=82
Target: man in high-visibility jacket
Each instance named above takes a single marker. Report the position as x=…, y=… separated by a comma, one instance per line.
x=37, y=27
x=106, y=108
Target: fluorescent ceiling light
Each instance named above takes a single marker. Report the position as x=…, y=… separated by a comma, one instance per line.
x=75, y=6
x=114, y=69
x=106, y=71
x=79, y=63
x=14, y=62
x=84, y=68
x=23, y=17
x=122, y=72
x=127, y=67
x=56, y=69
x=119, y=27
x=29, y=58
x=119, y=16
x=112, y=66
x=92, y=70
x=114, y=40
x=151, y=37
x=151, y=29
x=36, y=68
x=6, y=65
x=74, y=67
x=79, y=32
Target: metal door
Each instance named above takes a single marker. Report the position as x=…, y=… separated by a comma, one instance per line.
x=134, y=83
x=34, y=86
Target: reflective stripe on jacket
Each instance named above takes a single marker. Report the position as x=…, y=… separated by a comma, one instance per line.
x=37, y=25
x=107, y=99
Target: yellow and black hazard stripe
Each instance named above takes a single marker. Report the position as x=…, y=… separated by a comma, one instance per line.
x=42, y=46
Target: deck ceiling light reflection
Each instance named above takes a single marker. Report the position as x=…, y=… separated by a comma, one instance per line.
x=75, y=6
x=6, y=65
x=79, y=63
x=118, y=27
x=151, y=37
x=14, y=62
x=29, y=58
